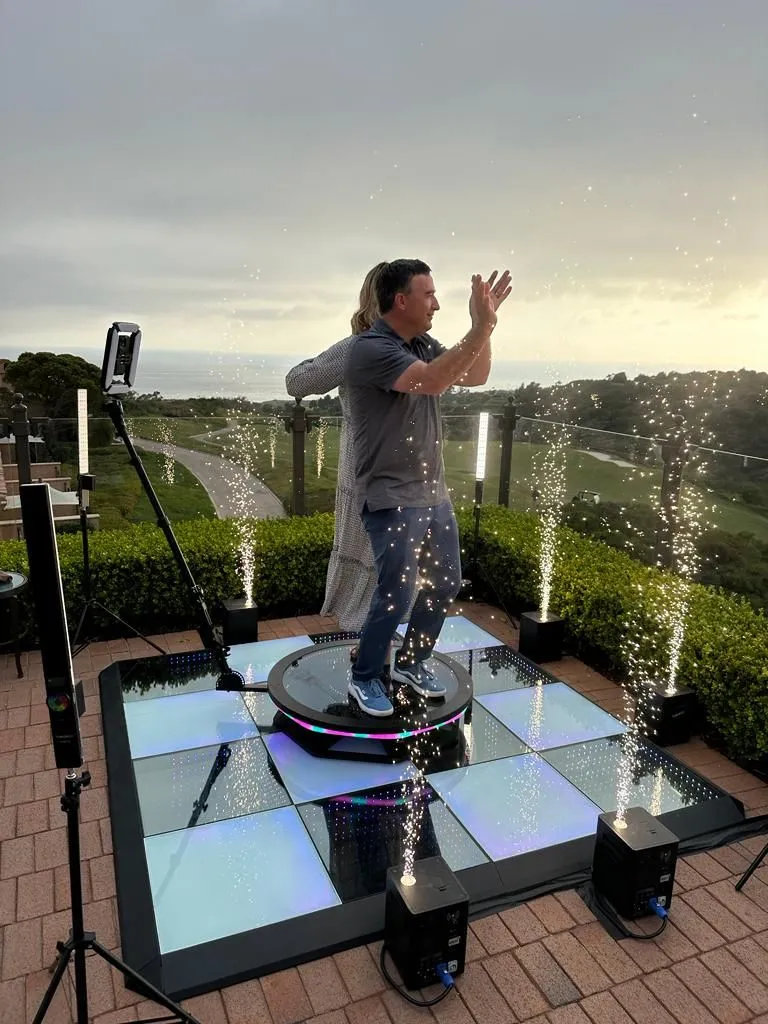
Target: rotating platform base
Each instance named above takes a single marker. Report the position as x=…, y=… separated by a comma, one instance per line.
x=310, y=688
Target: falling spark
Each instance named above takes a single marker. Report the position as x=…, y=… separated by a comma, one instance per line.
x=247, y=559
x=272, y=441
x=322, y=428
x=168, y=449
x=550, y=487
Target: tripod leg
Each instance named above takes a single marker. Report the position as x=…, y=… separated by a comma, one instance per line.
x=128, y=626
x=80, y=633
x=143, y=985
x=752, y=868
x=50, y=992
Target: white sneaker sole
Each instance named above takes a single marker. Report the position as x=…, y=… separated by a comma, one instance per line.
x=401, y=677
x=353, y=691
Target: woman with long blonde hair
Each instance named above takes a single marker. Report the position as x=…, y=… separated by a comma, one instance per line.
x=351, y=576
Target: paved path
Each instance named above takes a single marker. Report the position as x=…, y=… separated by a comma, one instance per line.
x=233, y=491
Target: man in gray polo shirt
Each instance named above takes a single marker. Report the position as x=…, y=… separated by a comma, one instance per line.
x=395, y=374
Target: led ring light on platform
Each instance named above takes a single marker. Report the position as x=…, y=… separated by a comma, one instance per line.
x=336, y=717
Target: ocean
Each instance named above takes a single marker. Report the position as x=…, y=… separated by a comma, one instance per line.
x=261, y=378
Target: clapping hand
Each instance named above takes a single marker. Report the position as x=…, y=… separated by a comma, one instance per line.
x=481, y=306
x=501, y=289
x=486, y=297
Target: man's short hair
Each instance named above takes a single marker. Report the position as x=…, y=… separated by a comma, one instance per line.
x=396, y=277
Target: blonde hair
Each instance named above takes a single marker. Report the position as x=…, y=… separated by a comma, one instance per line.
x=369, y=307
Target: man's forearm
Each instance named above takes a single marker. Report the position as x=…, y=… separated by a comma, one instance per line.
x=480, y=370
x=448, y=369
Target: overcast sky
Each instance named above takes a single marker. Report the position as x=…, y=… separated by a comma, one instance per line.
x=224, y=172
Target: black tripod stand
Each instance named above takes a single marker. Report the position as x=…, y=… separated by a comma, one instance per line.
x=82, y=636
x=752, y=868
x=228, y=679
x=81, y=942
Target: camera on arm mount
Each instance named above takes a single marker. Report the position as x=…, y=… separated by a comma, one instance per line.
x=121, y=356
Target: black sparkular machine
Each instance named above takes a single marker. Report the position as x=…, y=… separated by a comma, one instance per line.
x=425, y=930
x=634, y=866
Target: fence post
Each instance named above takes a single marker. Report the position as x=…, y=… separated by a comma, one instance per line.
x=20, y=428
x=298, y=424
x=508, y=421
x=674, y=454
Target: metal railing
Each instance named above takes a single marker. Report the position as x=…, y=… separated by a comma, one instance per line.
x=295, y=455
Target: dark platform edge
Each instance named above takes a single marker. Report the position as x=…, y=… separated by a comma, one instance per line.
x=491, y=886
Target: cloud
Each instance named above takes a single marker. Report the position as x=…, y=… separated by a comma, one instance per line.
x=157, y=155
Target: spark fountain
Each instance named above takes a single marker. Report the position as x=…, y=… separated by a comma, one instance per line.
x=242, y=614
x=322, y=429
x=168, y=451
x=273, y=432
x=542, y=632
x=663, y=709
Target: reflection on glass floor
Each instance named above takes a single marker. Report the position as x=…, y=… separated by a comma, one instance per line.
x=234, y=812
x=653, y=780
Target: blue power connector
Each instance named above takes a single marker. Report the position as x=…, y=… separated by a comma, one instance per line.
x=657, y=908
x=441, y=970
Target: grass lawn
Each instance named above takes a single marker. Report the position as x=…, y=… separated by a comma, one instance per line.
x=187, y=433
x=119, y=498
x=583, y=472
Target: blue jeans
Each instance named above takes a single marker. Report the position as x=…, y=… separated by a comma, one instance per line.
x=408, y=543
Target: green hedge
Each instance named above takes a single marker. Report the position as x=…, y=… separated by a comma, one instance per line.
x=135, y=575
x=598, y=590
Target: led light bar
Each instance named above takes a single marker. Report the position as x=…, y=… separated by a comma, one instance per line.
x=372, y=735
x=482, y=445
x=82, y=431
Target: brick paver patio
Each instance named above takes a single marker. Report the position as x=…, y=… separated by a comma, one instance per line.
x=548, y=961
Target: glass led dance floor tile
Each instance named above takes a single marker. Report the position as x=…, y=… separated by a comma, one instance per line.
x=551, y=716
x=169, y=676
x=312, y=778
x=499, y=668
x=254, y=661
x=652, y=780
x=360, y=836
x=192, y=720
x=516, y=805
x=486, y=739
x=459, y=634
x=196, y=787
x=263, y=710
x=232, y=876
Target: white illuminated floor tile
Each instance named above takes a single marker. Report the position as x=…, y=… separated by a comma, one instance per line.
x=190, y=720
x=254, y=661
x=553, y=715
x=516, y=805
x=459, y=634
x=313, y=778
x=232, y=876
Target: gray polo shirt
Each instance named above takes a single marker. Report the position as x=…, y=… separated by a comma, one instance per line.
x=397, y=437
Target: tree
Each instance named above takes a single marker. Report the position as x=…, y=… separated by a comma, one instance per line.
x=51, y=380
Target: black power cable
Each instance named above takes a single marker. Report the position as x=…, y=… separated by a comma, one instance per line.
x=402, y=991
x=614, y=918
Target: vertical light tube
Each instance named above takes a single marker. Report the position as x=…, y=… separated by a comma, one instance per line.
x=82, y=430
x=482, y=445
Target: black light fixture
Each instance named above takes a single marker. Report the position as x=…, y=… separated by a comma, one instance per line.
x=633, y=871
x=64, y=699
x=542, y=636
